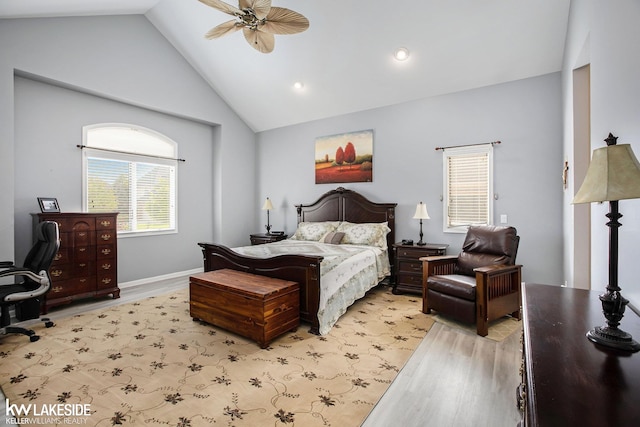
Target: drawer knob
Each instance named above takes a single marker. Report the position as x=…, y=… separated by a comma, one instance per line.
x=106, y=251
x=56, y=273
x=57, y=289
x=106, y=237
x=105, y=223
x=106, y=280
x=106, y=266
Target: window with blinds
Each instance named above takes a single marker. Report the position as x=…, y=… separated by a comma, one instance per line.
x=468, y=187
x=132, y=171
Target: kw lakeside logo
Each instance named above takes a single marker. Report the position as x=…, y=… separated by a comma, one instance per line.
x=57, y=413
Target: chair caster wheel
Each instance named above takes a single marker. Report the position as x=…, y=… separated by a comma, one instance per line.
x=49, y=324
x=34, y=338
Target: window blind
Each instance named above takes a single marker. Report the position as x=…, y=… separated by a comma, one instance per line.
x=142, y=193
x=468, y=187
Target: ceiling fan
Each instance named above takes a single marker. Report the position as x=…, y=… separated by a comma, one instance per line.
x=258, y=21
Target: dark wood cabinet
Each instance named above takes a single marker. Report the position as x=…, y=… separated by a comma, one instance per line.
x=87, y=263
x=407, y=274
x=568, y=380
x=262, y=238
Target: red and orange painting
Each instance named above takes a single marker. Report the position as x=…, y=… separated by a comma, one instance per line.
x=347, y=157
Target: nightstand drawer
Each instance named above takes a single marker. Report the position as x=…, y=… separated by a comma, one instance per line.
x=261, y=238
x=410, y=253
x=407, y=274
x=410, y=280
x=408, y=266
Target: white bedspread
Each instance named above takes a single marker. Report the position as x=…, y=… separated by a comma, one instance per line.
x=347, y=272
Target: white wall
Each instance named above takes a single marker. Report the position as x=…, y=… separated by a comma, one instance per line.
x=615, y=68
x=123, y=58
x=606, y=35
x=524, y=115
x=49, y=122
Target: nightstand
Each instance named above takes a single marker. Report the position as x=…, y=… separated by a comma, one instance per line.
x=262, y=238
x=408, y=267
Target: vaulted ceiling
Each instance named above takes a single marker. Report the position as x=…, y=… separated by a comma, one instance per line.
x=345, y=58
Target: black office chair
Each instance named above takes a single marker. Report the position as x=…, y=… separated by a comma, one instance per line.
x=31, y=282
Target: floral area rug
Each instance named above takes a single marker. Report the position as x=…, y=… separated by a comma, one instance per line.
x=148, y=363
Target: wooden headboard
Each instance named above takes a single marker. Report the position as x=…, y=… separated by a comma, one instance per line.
x=347, y=205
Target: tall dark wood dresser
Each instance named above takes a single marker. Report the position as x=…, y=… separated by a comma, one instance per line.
x=569, y=381
x=87, y=263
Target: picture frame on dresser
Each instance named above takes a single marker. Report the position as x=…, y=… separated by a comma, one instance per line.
x=48, y=204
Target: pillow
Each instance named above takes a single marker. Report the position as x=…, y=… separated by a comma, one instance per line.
x=333, y=237
x=370, y=234
x=314, y=231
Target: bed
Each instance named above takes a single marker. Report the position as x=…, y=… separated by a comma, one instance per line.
x=341, y=206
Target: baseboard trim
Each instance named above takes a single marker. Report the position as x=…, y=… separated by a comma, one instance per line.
x=170, y=276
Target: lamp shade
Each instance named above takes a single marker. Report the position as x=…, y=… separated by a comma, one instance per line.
x=267, y=205
x=421, y=211
x=613, y=174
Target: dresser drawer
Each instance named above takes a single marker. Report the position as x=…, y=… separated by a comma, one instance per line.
x=106, y=223
x=106, y=280
x=71, y=287
x=106, y=251
x=62, y=257
x=106, y=236
x=84, y=253
x=83, y=268
x=60, y=272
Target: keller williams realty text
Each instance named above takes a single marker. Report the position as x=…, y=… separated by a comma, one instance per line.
x=49, y=410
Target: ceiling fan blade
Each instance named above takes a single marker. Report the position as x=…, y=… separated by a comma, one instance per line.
x=281, y=20
x=223, y=29
x=260, y=7
x=259, y=40
x=222, y=6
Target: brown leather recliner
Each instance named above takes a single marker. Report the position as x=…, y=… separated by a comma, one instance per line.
x=480, y=284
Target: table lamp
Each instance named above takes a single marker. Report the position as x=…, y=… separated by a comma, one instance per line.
x=267, y=207
x=421, y=213
x=613, y=175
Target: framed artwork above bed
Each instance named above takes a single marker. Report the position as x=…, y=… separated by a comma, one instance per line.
x=346, y=157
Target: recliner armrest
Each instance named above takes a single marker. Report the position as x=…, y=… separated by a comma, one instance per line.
x=492, y=269
x=439, y=258
x=441, y=264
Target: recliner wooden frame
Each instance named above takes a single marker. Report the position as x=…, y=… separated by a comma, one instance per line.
x=497, y=289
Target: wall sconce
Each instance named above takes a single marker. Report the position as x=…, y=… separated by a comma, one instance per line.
x=421, y=213
x=267, y=207
x=613, y=174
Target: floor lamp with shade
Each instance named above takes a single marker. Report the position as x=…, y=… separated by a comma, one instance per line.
x=613, y=175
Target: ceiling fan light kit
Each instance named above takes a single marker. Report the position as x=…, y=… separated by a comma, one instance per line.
x=258, y=20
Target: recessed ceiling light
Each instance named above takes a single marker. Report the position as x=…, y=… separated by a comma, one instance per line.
x=298, y=85
x=401, y=54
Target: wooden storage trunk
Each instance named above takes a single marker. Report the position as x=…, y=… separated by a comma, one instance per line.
x=256, y=307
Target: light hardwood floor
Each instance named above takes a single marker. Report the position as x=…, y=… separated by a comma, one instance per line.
x=454, y=378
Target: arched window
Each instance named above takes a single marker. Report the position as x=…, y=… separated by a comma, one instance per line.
x=131, y=170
